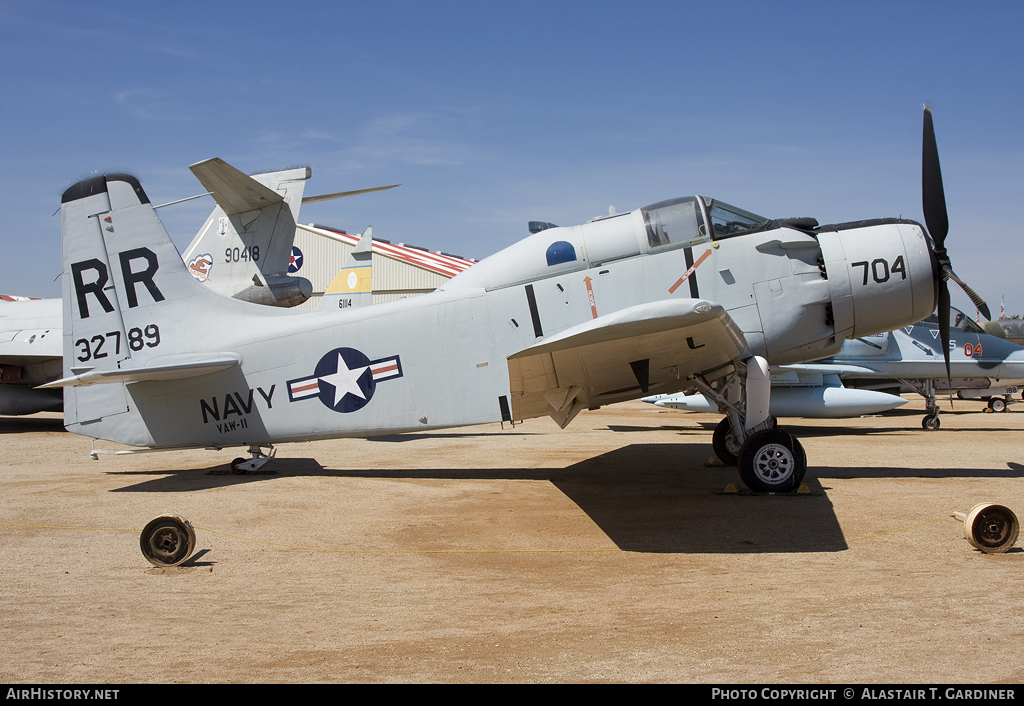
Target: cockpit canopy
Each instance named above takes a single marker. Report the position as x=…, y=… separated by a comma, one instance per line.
x=552, y=251
x=958, y=321
x=683, y=220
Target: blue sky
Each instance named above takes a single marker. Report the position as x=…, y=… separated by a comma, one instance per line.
x=494, y=114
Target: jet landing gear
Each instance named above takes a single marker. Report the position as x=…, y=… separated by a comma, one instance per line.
x=926, y=388
x=240, y=466
x=769, y=460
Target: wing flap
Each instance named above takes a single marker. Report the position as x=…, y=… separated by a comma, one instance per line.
x=167, y=369
x=621, y=356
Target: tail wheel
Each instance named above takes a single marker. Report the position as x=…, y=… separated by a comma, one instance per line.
x=772, y=461
x=991, y=528
x=167, y=541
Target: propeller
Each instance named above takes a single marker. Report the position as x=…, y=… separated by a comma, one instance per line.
x=935, y=218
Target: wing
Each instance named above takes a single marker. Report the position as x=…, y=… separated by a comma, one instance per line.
x=30, y=340
x=621, y=356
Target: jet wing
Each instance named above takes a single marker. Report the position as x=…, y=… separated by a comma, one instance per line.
x=22, y=353
x=179, y=367
x=621, y=356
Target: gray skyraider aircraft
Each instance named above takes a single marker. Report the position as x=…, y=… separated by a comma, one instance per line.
x=565, y=320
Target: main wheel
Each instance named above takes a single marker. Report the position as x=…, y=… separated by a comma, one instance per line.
x=772, y=461
x=931, y=422
x=724, y=444
x=991, y=528
x=167, y=541
x=236, y=466
x=997, y=404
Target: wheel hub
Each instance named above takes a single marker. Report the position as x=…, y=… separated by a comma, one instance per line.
x=774, y=462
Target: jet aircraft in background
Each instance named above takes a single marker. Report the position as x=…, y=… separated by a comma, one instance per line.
x=564, y=320
x=982, y=366
x=869, y=372
x=243, y=250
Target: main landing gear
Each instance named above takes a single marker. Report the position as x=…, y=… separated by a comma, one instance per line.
x=769, y=460
x=258, y=460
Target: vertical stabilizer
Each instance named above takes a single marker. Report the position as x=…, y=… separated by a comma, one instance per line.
x=244, y=248
x=120, y=274
x=353, y=285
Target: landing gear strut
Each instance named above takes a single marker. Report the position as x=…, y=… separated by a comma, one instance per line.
x=769, y=460
x=926, y=388
x=258, y=460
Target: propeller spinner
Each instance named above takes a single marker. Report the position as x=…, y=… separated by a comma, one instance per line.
x=937, y=221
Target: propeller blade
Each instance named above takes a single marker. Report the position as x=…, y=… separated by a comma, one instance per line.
x=943, y=313
x=933, y=196
x=979, y=303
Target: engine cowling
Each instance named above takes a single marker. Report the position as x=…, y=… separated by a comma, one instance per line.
x=881, y=275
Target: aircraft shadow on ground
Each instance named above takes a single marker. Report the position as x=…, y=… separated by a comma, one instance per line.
x=644, y=497
x=393, y=438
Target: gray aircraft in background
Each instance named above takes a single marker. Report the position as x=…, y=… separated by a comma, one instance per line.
x=869, y=373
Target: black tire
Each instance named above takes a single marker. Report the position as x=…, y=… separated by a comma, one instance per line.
x=772, y=461
x=997, y=404
x=236, y=466
x=931, y=422
x=723, y=445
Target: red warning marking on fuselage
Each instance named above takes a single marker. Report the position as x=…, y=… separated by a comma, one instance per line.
x=702, y=258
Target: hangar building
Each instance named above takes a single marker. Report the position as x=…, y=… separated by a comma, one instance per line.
x=399, y=271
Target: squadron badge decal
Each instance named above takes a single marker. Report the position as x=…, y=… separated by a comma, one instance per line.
x=200, y=266
x=345, y=379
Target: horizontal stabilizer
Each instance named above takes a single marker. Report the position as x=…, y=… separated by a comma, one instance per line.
x=175, y=369
x=231, y=189
x=342, y=194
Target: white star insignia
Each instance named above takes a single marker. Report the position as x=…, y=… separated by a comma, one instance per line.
x=345, y=380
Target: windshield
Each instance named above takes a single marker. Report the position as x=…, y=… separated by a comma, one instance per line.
x=727, y=221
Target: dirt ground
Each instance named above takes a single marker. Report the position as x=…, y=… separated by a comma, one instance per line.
x=603, y=553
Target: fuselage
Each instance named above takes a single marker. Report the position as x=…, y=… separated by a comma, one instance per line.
x=441, y=360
